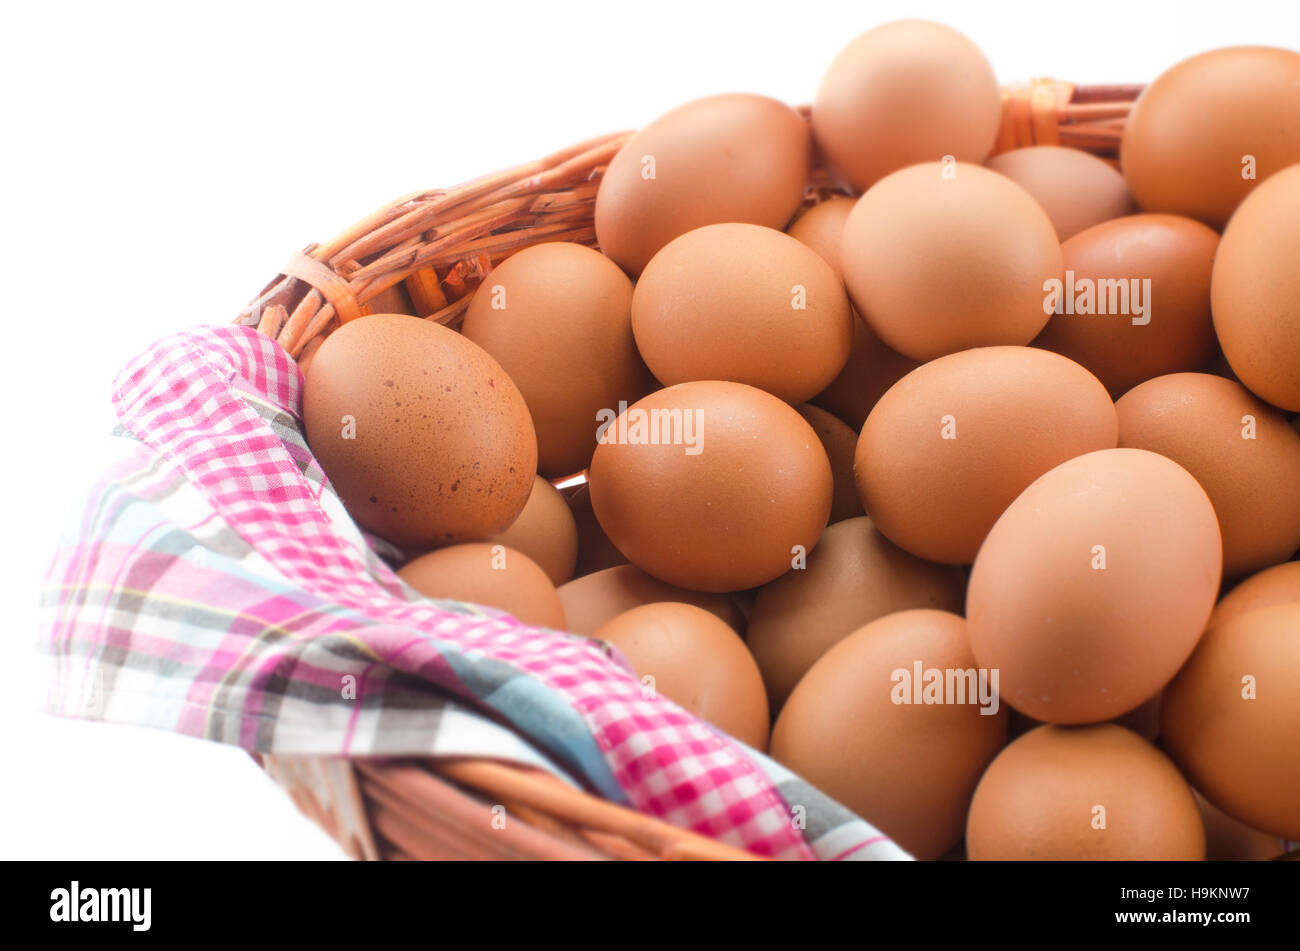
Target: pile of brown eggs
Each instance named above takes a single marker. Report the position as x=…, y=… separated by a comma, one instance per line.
x=969, y=498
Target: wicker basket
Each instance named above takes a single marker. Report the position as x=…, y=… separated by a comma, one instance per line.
x=425, y=254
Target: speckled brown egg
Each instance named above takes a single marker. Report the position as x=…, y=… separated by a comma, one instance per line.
x=859, y=728
x=1256, y=289
x=557, y=316
x=1231, y=718
x=840, y=443
x=1119, y=326
x=852, y=577
x=1272, y=586
x=711, y=486
x=1210, y=129
x=743, y=303
x=1084, y=794
x=689, y=656
x=872, y=368
x=489, y=575
x=821, y=226
x=592, y=600
x=906, y=92
x=422, y=433
x=734, y=157
x=940, y=257
x=949, y=447
x=1241, y=451
x=1094, y=586
x=1075, y=188
x=545, y=532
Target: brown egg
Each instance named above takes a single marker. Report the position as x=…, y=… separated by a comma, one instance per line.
x=1094, y=585
x=422, y=433
x=940, y=257
x=906, y=92
x=711, y=486
x=1231, y=719
x=1227, y=840
x=875, y=733
x=1189, y=141
x=872, y=369
x=1083, y=794
x=840, y=443
x=733, y=157
x=689, y=656
x=1075, y=188
x=1256, y=289
x=1272, y=586
x=1241, y=451
x=743, y=303
x=1116, y=324
x=952, y=444
x=558, y=317
x=545, y=532
x=852, y=577
x=594, y=599
x=595, y=551
x=820, y=228
x=490, y=575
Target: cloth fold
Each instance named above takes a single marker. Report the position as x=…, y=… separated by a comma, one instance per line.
x=213, y=584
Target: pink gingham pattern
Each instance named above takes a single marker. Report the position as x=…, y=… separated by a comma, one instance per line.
x=200, y=400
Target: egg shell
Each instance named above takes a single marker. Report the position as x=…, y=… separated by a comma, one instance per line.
x=854, y=576
x=1256, y=289
x=595, y=551
x=592, y=600
x=732, y=488
x=1231, y=719
x=872, y=368
x=423, y=435
x=940, y=257
x=734, y=157
x=743, y=303
x=820, y=228
x=1241, y=451
x=1083, y=794
x=1227, y=840
x=545, y=532
x=557, y=316
x=952, y=444
x=1176, y=332
x=906, y=92
x=1186, y=140
x=489, y=575
x=840, y=443
x=1075, y=188
x=907, y=767
x=1094, y=586
x=1272, y=586
x=696, y=661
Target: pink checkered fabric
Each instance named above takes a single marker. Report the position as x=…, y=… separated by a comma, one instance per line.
x=182, y=398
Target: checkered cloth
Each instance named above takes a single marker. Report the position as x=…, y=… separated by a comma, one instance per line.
x=213, y=584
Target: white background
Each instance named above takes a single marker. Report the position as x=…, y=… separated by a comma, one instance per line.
x=159, y=162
